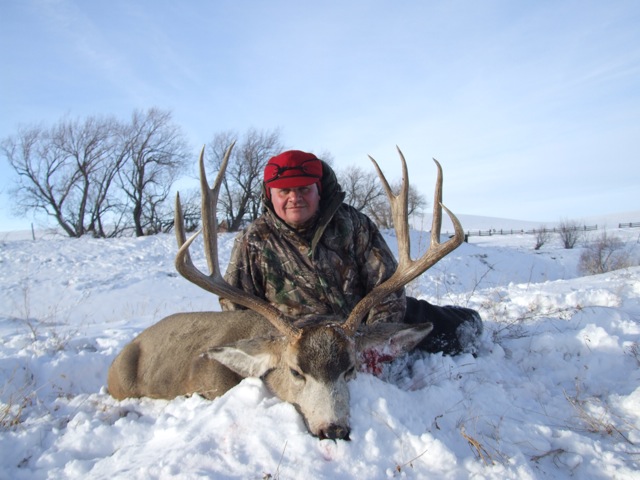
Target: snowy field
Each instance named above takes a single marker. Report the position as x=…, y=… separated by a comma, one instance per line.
x=554, y=392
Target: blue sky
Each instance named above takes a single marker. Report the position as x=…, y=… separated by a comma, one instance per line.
x=532, y=107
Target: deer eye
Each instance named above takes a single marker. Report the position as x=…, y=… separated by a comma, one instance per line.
x=296, y=374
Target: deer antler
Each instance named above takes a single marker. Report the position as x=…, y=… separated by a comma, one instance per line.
x=214, y=282
x=408, y=269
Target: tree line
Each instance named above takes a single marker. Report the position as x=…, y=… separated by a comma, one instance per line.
x=107, y=177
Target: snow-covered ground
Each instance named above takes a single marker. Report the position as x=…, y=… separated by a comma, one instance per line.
x=554, y=392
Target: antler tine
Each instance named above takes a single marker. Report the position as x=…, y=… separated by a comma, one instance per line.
x=399, y=205
x=408, y=269
x=214, y=282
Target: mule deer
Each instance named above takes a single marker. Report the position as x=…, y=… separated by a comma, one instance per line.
x=307, y=364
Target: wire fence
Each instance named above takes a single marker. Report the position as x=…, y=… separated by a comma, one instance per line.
x=535, y=231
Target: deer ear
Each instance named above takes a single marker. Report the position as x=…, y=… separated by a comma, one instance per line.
x=249, y=357
x=391, y=339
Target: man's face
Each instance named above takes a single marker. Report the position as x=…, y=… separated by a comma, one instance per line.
x=296, y=206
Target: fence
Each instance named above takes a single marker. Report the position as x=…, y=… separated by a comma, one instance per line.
x=584, y=228
x=488, y=233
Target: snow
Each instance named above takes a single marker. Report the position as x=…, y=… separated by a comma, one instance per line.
x=553, y=393
x=473, y=223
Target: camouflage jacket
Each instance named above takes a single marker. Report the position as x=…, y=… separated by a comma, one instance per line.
x=325, y=270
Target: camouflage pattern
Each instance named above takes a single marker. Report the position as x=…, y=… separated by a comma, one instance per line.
x=324, y=270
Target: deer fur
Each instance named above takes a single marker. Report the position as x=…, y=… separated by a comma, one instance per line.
x=208, y=353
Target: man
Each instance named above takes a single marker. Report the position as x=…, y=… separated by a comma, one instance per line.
x=311, y=255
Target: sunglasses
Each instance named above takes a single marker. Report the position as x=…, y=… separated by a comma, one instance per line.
x=308, y=168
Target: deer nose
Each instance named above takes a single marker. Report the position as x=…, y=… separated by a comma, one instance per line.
x=335, y=432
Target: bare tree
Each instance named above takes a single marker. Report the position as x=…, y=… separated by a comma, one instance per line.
x=570, y=232
x=91, y=145
x=380, y=211
x=326, y=156
x=154, y=152
x=364, y=192
x=606, y=253
x=190, y=200
x=542, y=236
x=240, y=196
x=65, y=171
x=362, y=187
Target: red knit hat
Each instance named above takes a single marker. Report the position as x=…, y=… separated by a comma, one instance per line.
x=292, y=169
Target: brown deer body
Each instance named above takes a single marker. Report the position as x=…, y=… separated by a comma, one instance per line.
x=307, y=364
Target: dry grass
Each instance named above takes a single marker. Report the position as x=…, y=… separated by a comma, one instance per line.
x=479, y=451
x=14, y=401
x=596, y=417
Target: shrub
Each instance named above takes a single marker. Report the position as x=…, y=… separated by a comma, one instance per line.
x=604, y=254
x=570, y=232
x=542, y=236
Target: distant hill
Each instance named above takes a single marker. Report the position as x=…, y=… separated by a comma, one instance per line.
x=612, y=221
x=476, y=222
